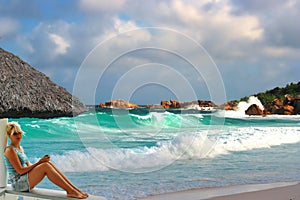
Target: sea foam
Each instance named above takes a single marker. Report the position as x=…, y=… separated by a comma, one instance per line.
x=182, y=147
x=241, y=108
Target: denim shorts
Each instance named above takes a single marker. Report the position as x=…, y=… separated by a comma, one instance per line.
x=20, y=183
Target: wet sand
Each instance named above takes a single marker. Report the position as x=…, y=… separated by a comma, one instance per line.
x=273, y=191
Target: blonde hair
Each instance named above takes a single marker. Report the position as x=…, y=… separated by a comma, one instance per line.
x=11, y=128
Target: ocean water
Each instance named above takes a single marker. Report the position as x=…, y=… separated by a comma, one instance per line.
x=126, y=154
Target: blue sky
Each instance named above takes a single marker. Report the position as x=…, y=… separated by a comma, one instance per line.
x=253, y=46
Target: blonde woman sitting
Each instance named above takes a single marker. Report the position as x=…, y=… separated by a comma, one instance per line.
x=25, y=176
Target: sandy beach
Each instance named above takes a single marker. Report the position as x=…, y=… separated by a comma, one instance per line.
x=274, y=191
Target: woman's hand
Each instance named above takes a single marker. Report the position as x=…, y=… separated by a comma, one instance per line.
x=45, y=158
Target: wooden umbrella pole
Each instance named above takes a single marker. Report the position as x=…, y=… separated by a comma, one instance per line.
x=3, y=172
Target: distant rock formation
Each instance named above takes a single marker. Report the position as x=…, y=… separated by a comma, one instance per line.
x=165, y=104
x=202, y=103
x=119, y=103
x=289, y=106
x=230, y=105
x=254, y=110
x=296, y=105
x=176, y=104
x=172, y=104
x=280, y=100
x=26, y=92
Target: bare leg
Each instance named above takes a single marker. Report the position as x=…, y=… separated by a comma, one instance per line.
x=37, y=174
x=67, y=180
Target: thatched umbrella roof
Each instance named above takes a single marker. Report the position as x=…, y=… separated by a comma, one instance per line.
x=26, y=92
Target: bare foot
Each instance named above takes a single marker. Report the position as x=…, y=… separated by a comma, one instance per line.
x=76, y=194
x=83, y=193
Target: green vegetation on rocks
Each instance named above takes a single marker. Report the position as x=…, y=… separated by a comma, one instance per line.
x=293, y=89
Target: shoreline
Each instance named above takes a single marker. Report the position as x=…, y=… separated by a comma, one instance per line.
x=274, y=191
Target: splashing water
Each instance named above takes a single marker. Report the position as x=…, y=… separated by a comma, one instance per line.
x=123, y=155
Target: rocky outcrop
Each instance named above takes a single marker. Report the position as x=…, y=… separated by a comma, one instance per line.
x=202, y=103
x=229, y=105
x=176, y=104
x=153, y=106
x=296, y=105
x=189, y=104
x=288, y=110
x=26, y=92
x=165, y=104
x=274, y=106
x=254, y=110
x=289, y=106
x=119, y=103
x=170, y=104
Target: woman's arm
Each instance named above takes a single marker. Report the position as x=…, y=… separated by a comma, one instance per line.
x=15, y=162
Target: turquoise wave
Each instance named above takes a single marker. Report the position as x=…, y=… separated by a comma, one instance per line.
x=114, y=121
x=107, y=140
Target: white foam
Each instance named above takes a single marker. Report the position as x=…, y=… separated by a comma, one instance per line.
x=76, y=161
x=159, y=116
x=194, y=106
x=141, y=117
x=33, y=125
x=181, y=147
x=241, y=108
x=248, y=138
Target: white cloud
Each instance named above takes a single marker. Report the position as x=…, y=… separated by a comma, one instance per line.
x=235, y=38
x=211, y=23
x=238, y=28
x=123, y=26
x=126, y=28
x=61, y=44
x=187, y=13
x=49, y=41
x=220, y=20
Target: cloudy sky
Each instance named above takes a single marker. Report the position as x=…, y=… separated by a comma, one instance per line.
x=145, y=51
